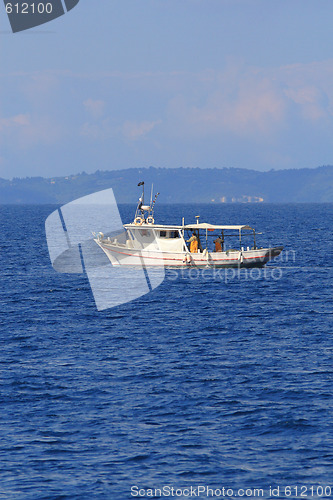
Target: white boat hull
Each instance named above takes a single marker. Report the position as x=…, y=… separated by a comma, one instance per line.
x=123, y=256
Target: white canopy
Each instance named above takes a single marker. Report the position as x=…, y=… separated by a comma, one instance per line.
x=205, y=225
x=202, y=225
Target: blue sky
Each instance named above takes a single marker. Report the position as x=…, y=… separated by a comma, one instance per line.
x=168, y=83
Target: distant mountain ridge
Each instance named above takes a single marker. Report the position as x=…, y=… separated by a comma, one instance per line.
x=179, y=185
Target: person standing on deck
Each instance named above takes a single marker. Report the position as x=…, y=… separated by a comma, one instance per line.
x=218, y=244
x=193, y=243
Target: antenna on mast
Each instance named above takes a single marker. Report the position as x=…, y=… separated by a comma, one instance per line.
x=143, y=191
x=151, y=194
x=152, y=205
x=141, y=201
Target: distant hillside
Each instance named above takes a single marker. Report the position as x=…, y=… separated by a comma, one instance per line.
x=179, y=185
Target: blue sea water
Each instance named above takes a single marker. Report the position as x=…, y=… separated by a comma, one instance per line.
x=213, y=379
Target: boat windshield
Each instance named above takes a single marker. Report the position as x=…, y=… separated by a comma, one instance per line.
x=169, y=234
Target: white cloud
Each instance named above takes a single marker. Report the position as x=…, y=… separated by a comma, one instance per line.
x=99, y=130
x=253, y=102
x=26, y=131
x=311, y=102
x=130, y=130
x=95, y=108
x=256, y=107
x=14, y=122
x=136, y=130
x=271, y=117
x=243, y=106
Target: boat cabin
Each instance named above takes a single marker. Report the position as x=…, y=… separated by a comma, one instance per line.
x=175, y=238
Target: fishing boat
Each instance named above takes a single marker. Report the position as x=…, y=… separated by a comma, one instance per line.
x=199, y=244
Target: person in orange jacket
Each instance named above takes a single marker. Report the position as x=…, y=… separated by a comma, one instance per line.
x=193, y=243
x=218, y=244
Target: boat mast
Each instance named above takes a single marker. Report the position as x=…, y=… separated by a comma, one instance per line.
x=143, y=192
x=142, y=208
x=151, y=195
x=141, y=200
